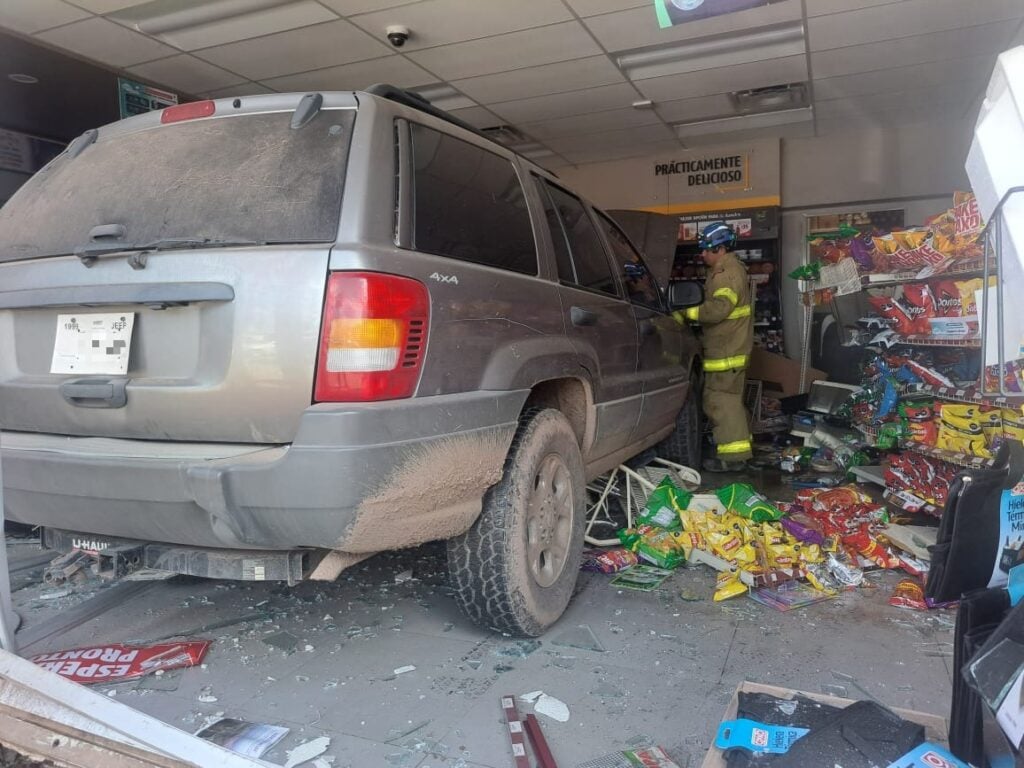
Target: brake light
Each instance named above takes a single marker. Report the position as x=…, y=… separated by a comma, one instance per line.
x=190, y=111
x=373, y=337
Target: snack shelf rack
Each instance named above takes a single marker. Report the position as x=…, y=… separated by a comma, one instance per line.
x=968, y=395
x=950, y=457
x=868, y=431
x=936, y=341
x=909, y=502
x=971, y=268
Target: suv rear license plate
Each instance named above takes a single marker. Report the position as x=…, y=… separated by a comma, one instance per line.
x=93, y=343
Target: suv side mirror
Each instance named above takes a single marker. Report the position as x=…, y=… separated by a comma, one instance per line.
x=683, y=294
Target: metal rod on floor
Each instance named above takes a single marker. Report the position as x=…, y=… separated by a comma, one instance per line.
x=7, y=623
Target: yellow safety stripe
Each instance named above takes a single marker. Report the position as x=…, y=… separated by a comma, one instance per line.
x=739, y=312
x=692, y=314
x=728, y=293
x=725, y=363
x=736, y=446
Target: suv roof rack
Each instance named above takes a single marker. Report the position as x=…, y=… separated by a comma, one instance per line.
x=414, y=100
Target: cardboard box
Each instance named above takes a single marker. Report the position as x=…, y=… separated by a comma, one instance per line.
x=780, y=375
x=936, y=728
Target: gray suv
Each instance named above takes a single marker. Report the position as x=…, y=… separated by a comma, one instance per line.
x=327, y=325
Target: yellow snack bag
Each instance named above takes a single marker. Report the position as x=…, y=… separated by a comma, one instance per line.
x=967, y=288
x=729, y=585
x=1013, y=424
x=991, y=426
x=910, y=239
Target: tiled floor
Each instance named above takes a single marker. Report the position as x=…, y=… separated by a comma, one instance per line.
x=665, y=665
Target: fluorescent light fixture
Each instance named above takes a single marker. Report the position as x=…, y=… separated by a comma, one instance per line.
x=444, y=96
x=722, y=51
x=644, y=104
x=755, y=100
x=744, y=122
x=159, y=17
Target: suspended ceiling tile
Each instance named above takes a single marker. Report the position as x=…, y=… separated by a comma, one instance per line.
x=559, y=42
x=28, y=16
x=906, y=19
x=478, y=117
x=243, y=26
x=595, y=7
x=441, y=22
x=186, y=74
x=920, y=49
x=638, y=28
x=298, y=50
x=395, y=70
x=565, y=104
x=911, y=103
x=350, y=7
x=952, y=73
x=610, y=139
x=595, y=122
x=700, y=108
x=562, y=76
x=825, y=7
x=242, y=89
x=603, y=155
x=108, y=6
x=798, y=131
x=106, y=42
x=790, y=69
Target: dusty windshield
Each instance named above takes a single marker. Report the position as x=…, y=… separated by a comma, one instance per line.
x=248, y=178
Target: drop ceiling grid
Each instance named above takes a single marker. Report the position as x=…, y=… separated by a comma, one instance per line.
x=858, y=49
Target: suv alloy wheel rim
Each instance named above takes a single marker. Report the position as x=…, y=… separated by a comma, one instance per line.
x=549, y=518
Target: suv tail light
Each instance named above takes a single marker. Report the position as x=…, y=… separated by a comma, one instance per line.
x=373, y=336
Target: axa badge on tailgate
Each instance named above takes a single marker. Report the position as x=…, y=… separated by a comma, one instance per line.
x=757, y=737
x=929, y=756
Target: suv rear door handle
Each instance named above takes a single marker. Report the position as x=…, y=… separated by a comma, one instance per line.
x=581, y=316
x=95, y=393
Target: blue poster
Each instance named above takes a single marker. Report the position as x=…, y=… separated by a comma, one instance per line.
x=1010, y=550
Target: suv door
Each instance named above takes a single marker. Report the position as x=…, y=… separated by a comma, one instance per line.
x=664, y=358
x=601, y=323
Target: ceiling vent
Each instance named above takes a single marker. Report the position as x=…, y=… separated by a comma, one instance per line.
x=505, y=134
x=770, y=99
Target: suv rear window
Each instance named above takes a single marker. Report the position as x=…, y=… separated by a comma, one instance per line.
x=240, y=178
x=469, y=204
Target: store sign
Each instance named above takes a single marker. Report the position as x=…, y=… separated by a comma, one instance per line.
x=749, y=223
x=22, y=153
x=137, y=98
x=672, y=12
x=716, y=170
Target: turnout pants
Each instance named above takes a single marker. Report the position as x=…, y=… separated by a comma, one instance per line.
x=723, y=405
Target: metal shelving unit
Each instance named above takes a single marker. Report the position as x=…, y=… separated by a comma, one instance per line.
x=959, y=459
x=908, y=502
x=973, y=268
x=935, y=341
x=967, y=395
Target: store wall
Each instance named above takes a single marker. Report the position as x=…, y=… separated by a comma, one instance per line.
x=639, y=183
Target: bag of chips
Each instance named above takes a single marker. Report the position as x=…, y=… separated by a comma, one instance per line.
x=743, y=500
x=654, y=545
x=948, y=299
x=1013, y=424
x=728, y=585
x=920, y=305
x=991, y=426
x=607, y=560
x=967, y=288
x=664, y=505
x=895, y=312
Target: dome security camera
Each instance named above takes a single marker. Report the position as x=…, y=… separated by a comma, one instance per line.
x=397, y=34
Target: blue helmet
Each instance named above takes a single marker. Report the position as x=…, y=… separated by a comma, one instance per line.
x=715, y=234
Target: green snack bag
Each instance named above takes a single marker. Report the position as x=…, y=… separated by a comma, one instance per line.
x=664, y=505
x=810, y=271
x=659, y=548
x=743, y=500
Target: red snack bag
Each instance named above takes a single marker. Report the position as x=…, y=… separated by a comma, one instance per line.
x=948, y=299
x=892, y=310
x=920, y=305
x=866, y=546
x=909, y=594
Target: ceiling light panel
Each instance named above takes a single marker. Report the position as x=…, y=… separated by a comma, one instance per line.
x=722, y=51
x=192, y=25
x=743, y=122
x=759, y=74
x=444, y=96
x=562, y=76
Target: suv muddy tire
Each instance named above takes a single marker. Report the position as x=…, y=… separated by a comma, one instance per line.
x=683, y=446
x=515, y=570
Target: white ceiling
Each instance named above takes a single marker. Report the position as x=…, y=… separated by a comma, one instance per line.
x=562, y=72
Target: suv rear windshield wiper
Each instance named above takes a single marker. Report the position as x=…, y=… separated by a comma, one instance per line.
x=89, y=253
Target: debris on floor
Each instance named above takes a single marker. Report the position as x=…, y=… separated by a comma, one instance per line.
x=241, y=736
x=116, y=663
x=650, y=757
x=549, y=706
x=307, y=751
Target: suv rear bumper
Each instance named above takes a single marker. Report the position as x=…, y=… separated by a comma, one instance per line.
x=359, y=478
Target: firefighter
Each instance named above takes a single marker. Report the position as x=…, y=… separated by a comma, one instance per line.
x=727, y=320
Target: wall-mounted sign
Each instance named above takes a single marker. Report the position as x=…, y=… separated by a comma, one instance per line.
x=672, y=12
x=22, y=153
x=719, y=170
x=136, y=98
x=749, y=223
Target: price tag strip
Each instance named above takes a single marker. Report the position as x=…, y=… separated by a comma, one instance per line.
x=515, y=731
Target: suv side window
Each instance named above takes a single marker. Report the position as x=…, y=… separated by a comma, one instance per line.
x=582, y=259
x=469, y=204
x=640, y=285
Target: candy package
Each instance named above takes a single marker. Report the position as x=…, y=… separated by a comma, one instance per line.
x=608, y=560
x=664, y=505
x=743, y=500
